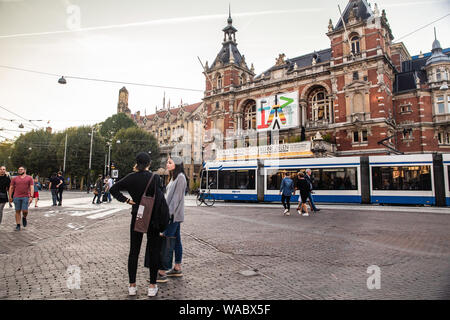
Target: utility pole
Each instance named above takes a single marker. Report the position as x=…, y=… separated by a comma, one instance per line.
x=65, y=154
x=109, y=159
x=90, y=160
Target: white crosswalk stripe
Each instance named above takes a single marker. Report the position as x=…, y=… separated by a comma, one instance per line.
x=85, y=213
x=104, y=214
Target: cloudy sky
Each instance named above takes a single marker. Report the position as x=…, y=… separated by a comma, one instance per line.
x=157, y=43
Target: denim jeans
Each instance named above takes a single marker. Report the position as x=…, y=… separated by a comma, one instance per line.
x=172, y=231
x=2, y=205
x=54, y=196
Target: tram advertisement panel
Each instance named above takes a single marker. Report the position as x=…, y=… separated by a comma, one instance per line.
x=277, y=112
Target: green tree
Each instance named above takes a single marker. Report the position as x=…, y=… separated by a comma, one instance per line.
x=34, y=150
x=5, y=153
x=133, y=141
x=112, y=125
x=78, y=151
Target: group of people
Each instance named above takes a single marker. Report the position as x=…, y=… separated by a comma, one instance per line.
x=163, y=247
x=304, y=184
x=102, y=189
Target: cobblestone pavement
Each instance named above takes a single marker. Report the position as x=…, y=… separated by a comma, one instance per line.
x=231, y=252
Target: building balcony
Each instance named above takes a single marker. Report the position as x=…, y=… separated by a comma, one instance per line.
x=444, y=117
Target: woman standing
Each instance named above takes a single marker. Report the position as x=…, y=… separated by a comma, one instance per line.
x=175, y=199
x=135, y=183
x=305, y=188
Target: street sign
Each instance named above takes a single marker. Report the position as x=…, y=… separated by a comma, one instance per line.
x=114, y=174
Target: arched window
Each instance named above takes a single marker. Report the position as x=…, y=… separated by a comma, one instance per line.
x=250, y=117
x=438, y=75
x=355, y=44
x=242, y=79
x=320, y=105
x=219, y=81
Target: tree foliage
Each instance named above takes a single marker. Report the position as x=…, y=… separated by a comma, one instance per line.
x=133, y=141
x=5, y=153
x=113, y=124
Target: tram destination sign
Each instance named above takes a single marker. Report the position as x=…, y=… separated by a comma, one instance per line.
x=277, y=112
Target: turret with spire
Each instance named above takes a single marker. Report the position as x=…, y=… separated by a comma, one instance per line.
x=229, y=56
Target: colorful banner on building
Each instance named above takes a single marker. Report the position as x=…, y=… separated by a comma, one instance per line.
x=278, y=112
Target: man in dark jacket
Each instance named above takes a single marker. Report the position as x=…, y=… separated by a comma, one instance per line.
x=310, y=179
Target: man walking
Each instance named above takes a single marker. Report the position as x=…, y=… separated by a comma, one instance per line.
x=310, y=180
x=21, y=193
x=109, y=184
x=286, y=191
x=5, y=181
x=60, y=187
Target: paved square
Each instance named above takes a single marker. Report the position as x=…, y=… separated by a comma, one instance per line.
x=232, y=251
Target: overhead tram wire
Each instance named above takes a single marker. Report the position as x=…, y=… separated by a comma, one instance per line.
x=423, y=27
x=101, y=80
x=20, y=117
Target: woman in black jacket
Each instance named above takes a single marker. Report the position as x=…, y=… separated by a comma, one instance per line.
x=305, y=188
x=135, y=183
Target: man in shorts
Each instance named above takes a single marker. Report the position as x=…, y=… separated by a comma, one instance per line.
x=21, y=193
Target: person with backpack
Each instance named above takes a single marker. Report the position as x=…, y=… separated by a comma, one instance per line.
x=176, y=190
x=98, y=189
x=286, y=191
x=135, y=184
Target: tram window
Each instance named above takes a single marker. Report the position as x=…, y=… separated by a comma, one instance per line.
x=274, y=177
x=323, y=178
x=203, y=185
x=237, y=179
x=212, y=179
x=416, y=178
x=335, y=179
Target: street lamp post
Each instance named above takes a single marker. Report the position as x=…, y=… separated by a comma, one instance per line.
x=90, y=160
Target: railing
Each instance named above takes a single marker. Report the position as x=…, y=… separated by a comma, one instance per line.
x=441, y=117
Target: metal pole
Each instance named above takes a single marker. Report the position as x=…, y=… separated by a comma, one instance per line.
x=106, y=161
x=90, y=161
x=109, y=159
x=65, y=154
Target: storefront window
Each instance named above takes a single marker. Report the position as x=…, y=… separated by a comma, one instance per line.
x=416, y=178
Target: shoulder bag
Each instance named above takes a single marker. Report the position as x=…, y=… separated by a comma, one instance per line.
x=145, y=209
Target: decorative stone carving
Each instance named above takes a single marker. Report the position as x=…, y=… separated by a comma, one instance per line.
x=330, y=26
x=280, y=59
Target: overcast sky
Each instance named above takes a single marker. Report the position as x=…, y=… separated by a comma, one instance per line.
x=157, y=42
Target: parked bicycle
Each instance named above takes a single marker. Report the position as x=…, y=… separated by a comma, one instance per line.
x=205, y=197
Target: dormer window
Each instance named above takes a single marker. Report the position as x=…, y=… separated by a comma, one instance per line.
x=219, y=81
x=355, y=44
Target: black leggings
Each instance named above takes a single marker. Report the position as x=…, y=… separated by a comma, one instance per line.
x=153, y=251
x=286, y=200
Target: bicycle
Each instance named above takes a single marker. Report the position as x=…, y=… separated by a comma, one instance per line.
x=205, y=197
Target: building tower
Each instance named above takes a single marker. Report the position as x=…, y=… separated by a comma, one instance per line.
x=228, y=71
x=122, y=105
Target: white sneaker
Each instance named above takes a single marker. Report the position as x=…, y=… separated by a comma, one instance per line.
x=152, y=291
x=299, y=212
x=305, y=214
x=286, y=211
x=132, y=291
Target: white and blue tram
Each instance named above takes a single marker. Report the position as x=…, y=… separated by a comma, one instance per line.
x=407, y=179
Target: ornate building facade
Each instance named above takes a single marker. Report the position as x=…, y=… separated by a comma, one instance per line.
x=364, y=95
x=178, y=130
